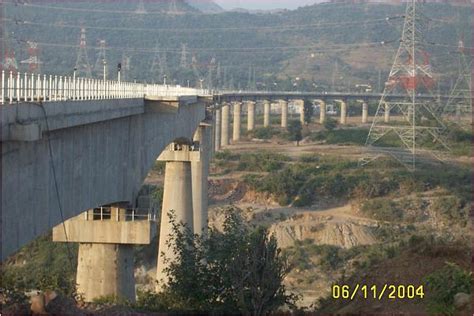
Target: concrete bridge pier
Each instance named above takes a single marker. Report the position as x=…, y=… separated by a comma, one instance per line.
x=343, y=120
x=177, y=197
x=322, y=111
x=302, y=114
x=200, y=173
x=106, y=236
x=386, y=117
x=284, y=113
x=236, y=125
x=365, y=112
x=105, y=270
x=250, y=116
x=225, y=125
x=217, y=130
x=266, y=113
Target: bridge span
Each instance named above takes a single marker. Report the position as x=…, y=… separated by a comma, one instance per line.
x=74, y=145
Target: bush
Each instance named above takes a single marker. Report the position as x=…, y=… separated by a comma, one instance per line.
x=226, y=155
x=330, y=123
x=264, y=133
x=452, y=209
x=382, y=209
x=443, y=284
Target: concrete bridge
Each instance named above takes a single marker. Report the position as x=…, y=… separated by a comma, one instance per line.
x=74, y=147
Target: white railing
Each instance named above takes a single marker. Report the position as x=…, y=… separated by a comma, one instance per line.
x=130, y=214
x=17, y=87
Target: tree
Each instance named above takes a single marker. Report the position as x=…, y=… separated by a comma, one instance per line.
x=295, y=131
x=308, y=111
x=239, y=269
x=330, y=124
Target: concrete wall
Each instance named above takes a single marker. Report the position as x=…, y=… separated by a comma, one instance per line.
x=101, y=152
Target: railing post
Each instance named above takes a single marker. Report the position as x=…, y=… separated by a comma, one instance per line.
x=38, y=88
x=50, y=90
x=2, y=92
x=81, y=88
x=10, y=88
x=44, y=87
x=61, y=88
x=17, y=90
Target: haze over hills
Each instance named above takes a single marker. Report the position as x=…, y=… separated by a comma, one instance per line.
x=333, y=46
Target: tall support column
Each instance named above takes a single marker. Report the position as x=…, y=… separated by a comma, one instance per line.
x=236, y=127
x=322, y=111
x=200, y=173
x=266, y=113
x=105, y=270
x=225, y=125
x=250, y=116
x=284, y=113
x=302, y=114
x=177, y=197
x=217, y=130
x=343, y=112
x=386, y=117
x=365, y=112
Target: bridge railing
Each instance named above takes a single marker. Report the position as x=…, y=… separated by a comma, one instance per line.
x=18, y=87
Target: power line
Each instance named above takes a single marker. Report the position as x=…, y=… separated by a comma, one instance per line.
x=161, y=12
x=318, y=49
x=134, y=12
x=274, y=28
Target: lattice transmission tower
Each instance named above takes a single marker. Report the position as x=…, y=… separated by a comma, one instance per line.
x=159, y=65
x=460, y=99
x=184, y=57
x=33, y=61
x=101, y=67
x=83, y=67
x=141, y=8
x=409, y=91
x=173, y=7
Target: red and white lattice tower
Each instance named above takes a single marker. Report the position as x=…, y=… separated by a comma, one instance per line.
x=33, y=61
x=408, y=91
x=83, y=67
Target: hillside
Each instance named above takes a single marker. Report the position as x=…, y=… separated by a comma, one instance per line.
x=334, y=46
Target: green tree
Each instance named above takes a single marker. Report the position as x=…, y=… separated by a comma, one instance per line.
x=295, y=131
x=308, y=111
x=330, y=124
x=237, y=270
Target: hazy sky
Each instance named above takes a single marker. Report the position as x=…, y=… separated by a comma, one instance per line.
x=264, y=4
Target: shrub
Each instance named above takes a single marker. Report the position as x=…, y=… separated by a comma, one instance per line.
x=264, y=133
x=330, y=124
x=443, y=284
x=451, y=209
x=382, y=209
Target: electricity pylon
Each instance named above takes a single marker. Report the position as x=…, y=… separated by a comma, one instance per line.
x=460, y=99
x=159, y=66
x=172, y=7
x=101, y=67
x=411, y=75
x=184, y=57
x=140, y=8
x=83, y=67
x=33, y=61
x=211, y=68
